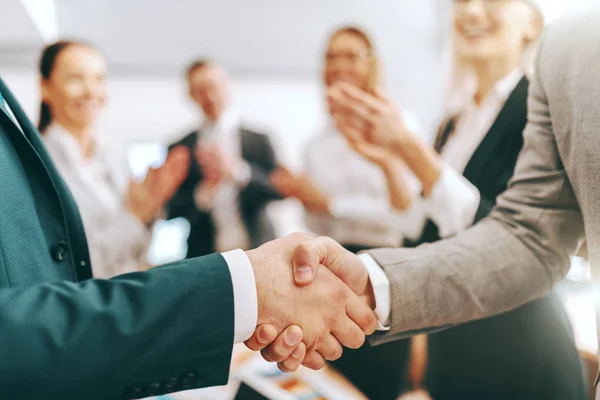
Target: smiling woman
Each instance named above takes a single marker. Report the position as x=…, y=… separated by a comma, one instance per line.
x=118, y=213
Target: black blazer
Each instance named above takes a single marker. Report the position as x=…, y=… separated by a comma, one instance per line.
x=258, y=151
x=493, y=163
x=501, y=357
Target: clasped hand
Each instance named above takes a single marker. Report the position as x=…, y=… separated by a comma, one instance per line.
x=306, y=313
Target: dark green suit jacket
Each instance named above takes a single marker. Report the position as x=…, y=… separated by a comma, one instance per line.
x=66, y=336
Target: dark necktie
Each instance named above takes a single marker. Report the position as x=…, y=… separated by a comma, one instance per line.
x=444, y=134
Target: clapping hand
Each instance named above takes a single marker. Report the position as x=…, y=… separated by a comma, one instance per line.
x=215, y=165
x=145, y=199
x=370, y=117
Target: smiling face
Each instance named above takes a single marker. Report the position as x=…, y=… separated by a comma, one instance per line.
x=494, y=29
x=349, y=59
x=76, y=89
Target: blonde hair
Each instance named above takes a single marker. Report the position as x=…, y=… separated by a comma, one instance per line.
x=462, y=79
x=375, y=75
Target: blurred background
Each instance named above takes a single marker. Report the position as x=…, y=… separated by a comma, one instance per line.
x=273, y=51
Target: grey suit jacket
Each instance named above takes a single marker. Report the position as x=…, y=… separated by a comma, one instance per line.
x=523, y=248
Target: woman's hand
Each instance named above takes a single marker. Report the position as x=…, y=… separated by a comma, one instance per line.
x=370, y=117
x=145, y=199
x=374, y=153
x=375, y=119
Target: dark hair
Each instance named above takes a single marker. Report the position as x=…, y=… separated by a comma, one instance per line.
x=197, y=65
x=47, y=63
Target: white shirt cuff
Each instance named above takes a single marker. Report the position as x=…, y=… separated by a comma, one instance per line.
x=381, y=290
x=453, y=203
x=245, y=303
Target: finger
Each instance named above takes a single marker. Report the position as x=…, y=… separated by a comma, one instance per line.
x=313, y=360
x=294, y=360
x=282, y=347
x=330, y=348
x=348, y=333
x=382, y=95
x=356, y=97
x=263, y=336
x=362, y=315
x=351, y=133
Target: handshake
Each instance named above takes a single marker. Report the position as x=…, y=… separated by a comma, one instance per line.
x=306, y=313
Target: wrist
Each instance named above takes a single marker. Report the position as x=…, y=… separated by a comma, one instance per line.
x=425, y=163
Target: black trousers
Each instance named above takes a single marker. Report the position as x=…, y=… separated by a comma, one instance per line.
x=528, y=353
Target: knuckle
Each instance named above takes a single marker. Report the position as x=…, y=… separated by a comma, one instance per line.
x=369, y=321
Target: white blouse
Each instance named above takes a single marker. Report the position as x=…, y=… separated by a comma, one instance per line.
x=117, y=239
x=361, y=213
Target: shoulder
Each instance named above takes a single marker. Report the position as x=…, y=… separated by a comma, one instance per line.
x=569, y=43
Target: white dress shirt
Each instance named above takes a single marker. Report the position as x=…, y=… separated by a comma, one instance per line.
x=223, y=203
x=361, y=213
x=118, y=240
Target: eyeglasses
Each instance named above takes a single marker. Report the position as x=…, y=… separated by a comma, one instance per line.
x=350, y=57
x=490, y=5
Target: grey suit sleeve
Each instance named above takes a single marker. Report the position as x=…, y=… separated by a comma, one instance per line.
x=515, y=255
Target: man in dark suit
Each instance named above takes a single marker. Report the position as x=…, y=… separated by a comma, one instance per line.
x=227, y=190
x=64, y=335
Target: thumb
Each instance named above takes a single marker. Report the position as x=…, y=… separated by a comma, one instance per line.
x=305, y=262
x=325, y=251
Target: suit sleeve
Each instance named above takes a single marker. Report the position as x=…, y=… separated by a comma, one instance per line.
x=164, y=330
x=516, y=255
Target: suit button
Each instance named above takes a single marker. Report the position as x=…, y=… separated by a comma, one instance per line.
x=188, y=380
x=152, y=390
x=170, y=385
x=135, y=393
x=60, y=251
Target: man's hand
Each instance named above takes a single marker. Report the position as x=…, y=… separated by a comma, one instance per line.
x=145, y=199
x=328, y=311
x=307, y=256
x=215, y=165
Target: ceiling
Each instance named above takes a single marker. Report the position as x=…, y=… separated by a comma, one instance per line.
x=270, y=37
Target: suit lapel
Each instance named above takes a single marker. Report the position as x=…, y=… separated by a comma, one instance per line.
x=57, y=186
x=514, y=106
